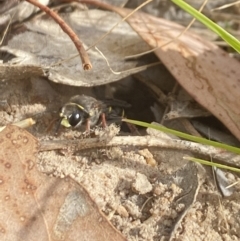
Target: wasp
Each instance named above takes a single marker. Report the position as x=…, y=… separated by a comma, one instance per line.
x=86, y=110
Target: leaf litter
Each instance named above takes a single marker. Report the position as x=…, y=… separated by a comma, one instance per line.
x=62, y=65
x=167, y=200
x=198, y=65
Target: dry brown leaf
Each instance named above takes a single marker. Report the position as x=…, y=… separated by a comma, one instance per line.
x=37, y=207
x=46, y=46
x=207, y=73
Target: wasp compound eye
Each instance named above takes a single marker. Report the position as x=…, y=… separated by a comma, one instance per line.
x=75, y=118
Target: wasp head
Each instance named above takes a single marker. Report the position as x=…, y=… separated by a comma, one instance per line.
x=73, y=115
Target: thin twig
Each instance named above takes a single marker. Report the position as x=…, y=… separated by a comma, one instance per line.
x=6, y=30
x=226, y=6
x=143, y=141
x=67, y=29
x=108, y=7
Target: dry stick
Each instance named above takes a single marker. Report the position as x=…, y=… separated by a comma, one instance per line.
x=83, y=54
x=108, y=7
x=143, y=141
x=225, y=6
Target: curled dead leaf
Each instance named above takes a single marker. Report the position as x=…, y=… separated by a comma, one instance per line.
x=205, y=71
x=37, y=207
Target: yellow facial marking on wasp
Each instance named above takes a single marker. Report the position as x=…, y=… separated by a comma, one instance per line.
x=91, y=113
x=65, y=122
x=79, y=106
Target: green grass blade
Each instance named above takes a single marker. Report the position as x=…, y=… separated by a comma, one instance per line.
x=185, y=136
x=213, y=164
x=227, y=37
